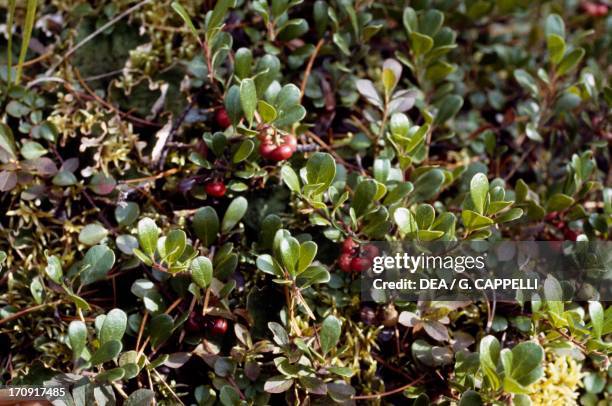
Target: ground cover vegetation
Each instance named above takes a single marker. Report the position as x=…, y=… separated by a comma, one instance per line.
x=188, y=189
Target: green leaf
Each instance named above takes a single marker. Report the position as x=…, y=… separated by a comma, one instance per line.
x=405, y=221
x=419, y=43
x=364, y=196
x=174, y=245
x=267, y=264
x=570, y=61
x=596, y=313
x=470, y=398
x=243, y=63
x=320, y=170
x=392, y=72
x=366, y=89
x=232, y=104
x=292, y=29
x=431, y=22
x=424, y=216
x=26, y=34
x=479, y=189
x=106, y=352
x=235, y=211
x=126, y=213
x=554, y=26
x=206, y=225
x=521, y=400
x=77, y=335
x=92, y=234
x=140, y=397
x=510, y=215
x=160, y=329
x=7, y=142
x=448, y=108
x=526, y=81
x=148, y=234
x=321, y=17
x=54, y=269
x=341, y=43
x=527, y=360
x=410, y=20
x=556, y=48
x=308, y=251
x=201, y=271
x=98, y=261
x=110, y=375
x=290, y=178
x=288, y=117
x=559, y=202
x=266, y=111
x=330, y=333
x=180, y=10
x=314, y=274
x=428, y=185
x=489, y=351
x=290, y=253
x=37, y=289
x=475, y=221
x=218, y=15
x=248, y=98
x=32, y=150
x=114, y=326
x=267, y=69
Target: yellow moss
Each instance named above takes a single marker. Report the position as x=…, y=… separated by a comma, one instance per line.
x=559, y=386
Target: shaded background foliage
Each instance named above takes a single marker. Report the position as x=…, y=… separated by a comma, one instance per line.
x=141, y=210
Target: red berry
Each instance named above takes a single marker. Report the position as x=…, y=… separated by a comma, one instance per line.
x=195, y=322
x=215, y=189
x=570, y=234
x=344, y=262
x=265, y=148
x=281, y=153
x=349, y=246
x=219, y=327
x=222, y=118
x=370, y=251
x=595, y=10
x=360, y=264
x=291, y=141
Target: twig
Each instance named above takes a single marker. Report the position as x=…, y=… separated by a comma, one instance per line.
x=329, y=149
x=391, y=392
x=519, y=163
x=163, y=381
x=141, y=329
x=152, y=177
x=173, y=131
x=28, y=310
x=309, y=67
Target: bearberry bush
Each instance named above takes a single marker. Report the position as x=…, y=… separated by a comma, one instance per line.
x=189, y=189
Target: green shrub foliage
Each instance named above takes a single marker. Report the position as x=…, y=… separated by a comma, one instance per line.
x=182, y=184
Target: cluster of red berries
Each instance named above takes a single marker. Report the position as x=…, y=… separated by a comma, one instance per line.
x=280, y=151
x=355, y=258
x=197, y=323
x=215, y=188
x=594, y=9
x=568, y=233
